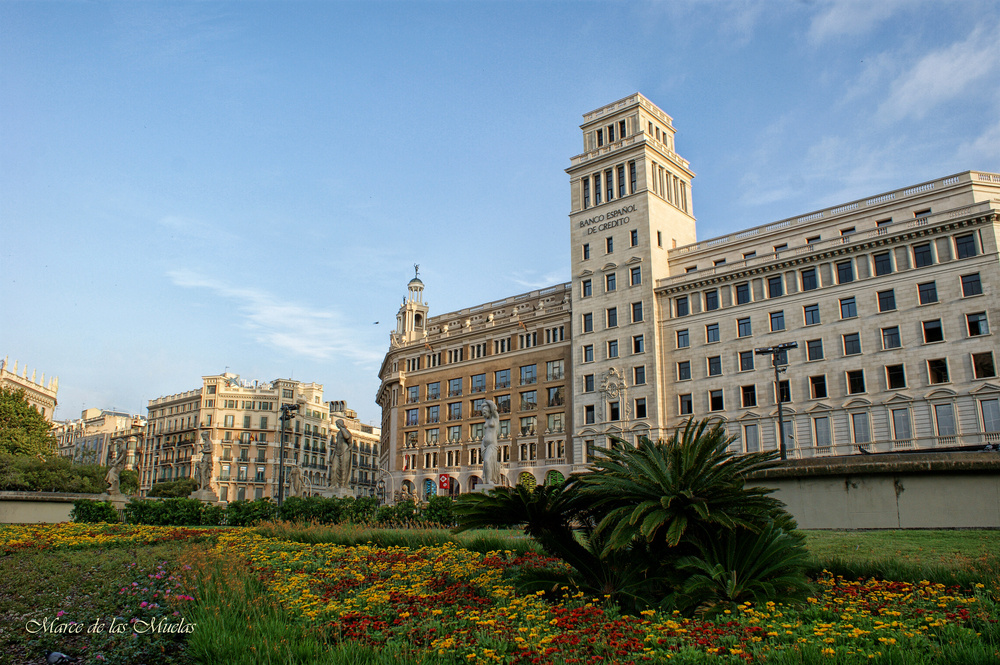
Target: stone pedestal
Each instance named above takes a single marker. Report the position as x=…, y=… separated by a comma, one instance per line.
x=341, y=492
x=485, y=487
x=118, y=500
x=206, y=495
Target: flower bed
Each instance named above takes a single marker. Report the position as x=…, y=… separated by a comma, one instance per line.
x=80, y=536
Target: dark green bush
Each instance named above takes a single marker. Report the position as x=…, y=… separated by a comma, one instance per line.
x=404, y=512
x=181, y=487
x=249, y=513
x=439, y=510
x=88, y=510
x=55, y=474
x=172, y=512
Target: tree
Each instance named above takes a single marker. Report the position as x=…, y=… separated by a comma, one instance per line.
x=23, y=430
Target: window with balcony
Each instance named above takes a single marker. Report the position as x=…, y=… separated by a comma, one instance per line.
x=503, y=403
x=501, y=379
x=529, y=374
x=434, y=390
x=529, y=400
x=454, y=387
x=455, y=411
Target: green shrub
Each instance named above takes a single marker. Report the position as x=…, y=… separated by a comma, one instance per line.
x=181, y=487
x=404, y=512
x=439, y=510
x=55, y=474
x=172, y=512
x=88, y=510
x=249, y=513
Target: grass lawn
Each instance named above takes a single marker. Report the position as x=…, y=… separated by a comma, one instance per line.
x=283, y=594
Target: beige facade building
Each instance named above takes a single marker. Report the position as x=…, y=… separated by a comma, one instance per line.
x=91, y=438
x=440, y=370
x=243, y=419
x=889, y=300
x=39, y=394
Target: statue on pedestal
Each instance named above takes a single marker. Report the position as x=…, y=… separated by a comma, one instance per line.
x=340, y=462
x=489, y=448
x=116, y=468
x=204, y=469
x=297, y=481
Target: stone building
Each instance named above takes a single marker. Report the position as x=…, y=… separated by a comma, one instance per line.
x=440, y=370
x=90, y=438
x=39, y=394
x=243, y=419
x=888, y=299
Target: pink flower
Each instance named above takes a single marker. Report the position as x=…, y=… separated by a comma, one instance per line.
x=143, y=604
x=60, y=613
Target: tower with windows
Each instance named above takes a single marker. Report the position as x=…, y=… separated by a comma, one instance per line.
x=411, y=320
x=630, y=203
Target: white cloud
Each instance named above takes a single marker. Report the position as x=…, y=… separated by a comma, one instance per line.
x=531, y=280
x=943, y=75
x=982, y=152
x=850, y=17
x=286, y=325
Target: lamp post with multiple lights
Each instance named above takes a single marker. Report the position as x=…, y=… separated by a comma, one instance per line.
x=286, y=415
x=775, y=352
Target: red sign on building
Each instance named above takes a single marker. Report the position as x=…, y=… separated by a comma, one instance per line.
x=443, y=481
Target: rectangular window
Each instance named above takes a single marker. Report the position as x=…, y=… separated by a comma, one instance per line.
x=817, y=386
x=635, y=275
x=895, y=377
x=554, y=370
x=777, y=321
x=944, y=416
x=746, y=361
x=529, y=400
x=809, y=282
x=848, y=308
x=845, y=272
x=529, y=374
x=638, y=344
x=609, y=282
x=478, y=383
x=991, y=414
x=886, y=300
x=588, y=414
x=852, y=344
x=636, y=312
x=454, y=387
x=631, y=177
x=859, y=423
x=633, y=235
x=971, y=286
x=742, y=293
x=684, y=370
x=922, y=255
x=455, y=411
x=883, y=263
x=611, y=317
x=784, y=391
x=715, y=401
x=586, y=251
x=586, y=192
x=743, y=327
x=712, y=332
x=681, y=305
x=411, y=416
x=621, y=181
x=588, y=322
x=812, y=314
x=775, y=287
x=639, y=375
x=501, y=378
x=748, y=396
x=683, y=340
x=965, y=246
x=685, y=405
x=937, y=370
x=433, y=414
x=597, y=180
x=609, y=184
x=927, y=293
x=613, y=348
x=711, y=300
x=588, y=353
x=609, y=244
x=751, y=438
x=821, y=428
x=814, y=349
x=855, y=382
x=983, y=366
x=588, y=383
x=715, y=365
x=933, y=332
x=890, y=338
x=978, y=325
x=587, y=288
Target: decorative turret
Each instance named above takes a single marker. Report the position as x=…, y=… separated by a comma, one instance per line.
x=412, y=316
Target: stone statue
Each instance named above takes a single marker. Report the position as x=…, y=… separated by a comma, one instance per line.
x=340, y=468
x=203, y=472
x=116, y=468
x=297, y=481
x=489, y=446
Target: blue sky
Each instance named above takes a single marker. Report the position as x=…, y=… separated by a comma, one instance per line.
x=190, y=187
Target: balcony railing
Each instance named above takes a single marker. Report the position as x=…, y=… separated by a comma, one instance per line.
x=528, y=406
x=558, y=401
x=455, y=393
x=503, y=408
x=433, y=419
x=528, y=380
x=433, y=396
x=478, y=389
x=502, y=384
x=554, y=376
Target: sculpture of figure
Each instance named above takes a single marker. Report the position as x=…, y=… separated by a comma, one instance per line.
x=203, y=472
x=297, y=481
x=489, y=447
x=341, y=463
x=115, y=470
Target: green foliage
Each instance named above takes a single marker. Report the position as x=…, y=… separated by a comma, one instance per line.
x=249, y=513
x=404, y=512
x=659, y=521
x=439, y=510
x=172, y=512
x=128, y=482
x=52, y=474
x=181, y=487
x=88, y=510
x=23, y=430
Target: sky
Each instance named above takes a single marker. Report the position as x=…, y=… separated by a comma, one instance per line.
x=192, y=188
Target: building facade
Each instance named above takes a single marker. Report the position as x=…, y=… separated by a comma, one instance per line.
x=243, y=421
x=91, y=438
x=888, y=299
x=39, y=394
x=441, y=369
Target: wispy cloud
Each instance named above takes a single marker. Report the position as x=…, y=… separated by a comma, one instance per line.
x=531, y=279
x=841, y=18
x=943, y=75
x=283, y=324
x=982, y=151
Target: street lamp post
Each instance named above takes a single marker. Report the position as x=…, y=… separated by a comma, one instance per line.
x=774, y=352
x=286, y=415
